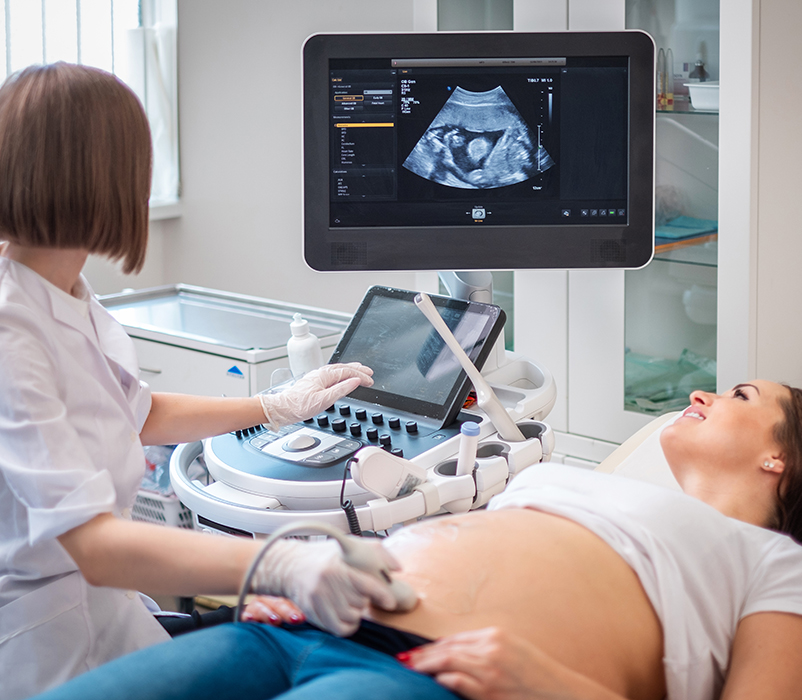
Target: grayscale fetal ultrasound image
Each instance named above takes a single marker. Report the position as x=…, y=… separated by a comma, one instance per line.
x=478, y=141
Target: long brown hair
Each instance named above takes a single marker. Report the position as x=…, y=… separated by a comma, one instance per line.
x=788, y=434
x=75, y=163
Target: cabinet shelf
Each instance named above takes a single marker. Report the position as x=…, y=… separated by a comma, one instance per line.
x=697, y=252
x=682, y=105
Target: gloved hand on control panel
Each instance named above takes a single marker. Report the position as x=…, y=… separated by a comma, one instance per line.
x=313, y=393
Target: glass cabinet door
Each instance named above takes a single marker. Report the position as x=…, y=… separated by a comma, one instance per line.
x=671, y=304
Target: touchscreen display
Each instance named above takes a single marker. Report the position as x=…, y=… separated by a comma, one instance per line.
x=413, y=368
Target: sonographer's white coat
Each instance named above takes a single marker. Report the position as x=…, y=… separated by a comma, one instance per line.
x=71, y=411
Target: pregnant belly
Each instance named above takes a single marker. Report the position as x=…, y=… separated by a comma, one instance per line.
x=537, y=575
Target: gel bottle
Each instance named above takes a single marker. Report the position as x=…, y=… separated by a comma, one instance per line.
x=303, y=348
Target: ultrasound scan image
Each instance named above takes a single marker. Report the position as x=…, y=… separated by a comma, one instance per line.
x=478, y=141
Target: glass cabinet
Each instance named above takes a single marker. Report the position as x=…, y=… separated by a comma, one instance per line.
x=671, y=304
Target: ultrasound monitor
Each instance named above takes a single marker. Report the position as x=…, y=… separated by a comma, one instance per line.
x=483, y=151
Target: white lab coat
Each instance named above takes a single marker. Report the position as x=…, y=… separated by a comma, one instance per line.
x=71, y=409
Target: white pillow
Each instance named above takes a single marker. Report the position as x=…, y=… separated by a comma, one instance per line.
x=641, y=457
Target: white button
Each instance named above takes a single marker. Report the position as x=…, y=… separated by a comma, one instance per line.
x=131, y=594
x=126, y=513
x=134, y=436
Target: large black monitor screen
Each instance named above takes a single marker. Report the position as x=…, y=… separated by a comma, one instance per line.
x=478, y=151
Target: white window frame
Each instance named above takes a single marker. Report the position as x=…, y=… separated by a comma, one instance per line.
x=144, y=56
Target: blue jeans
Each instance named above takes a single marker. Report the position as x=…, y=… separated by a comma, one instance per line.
x=252, y=662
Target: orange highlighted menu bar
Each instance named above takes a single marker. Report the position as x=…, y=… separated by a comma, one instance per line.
x=371, y=125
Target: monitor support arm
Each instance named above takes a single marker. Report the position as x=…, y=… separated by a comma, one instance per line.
x=470, y=285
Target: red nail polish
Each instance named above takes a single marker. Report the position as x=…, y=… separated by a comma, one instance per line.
x=403, y=656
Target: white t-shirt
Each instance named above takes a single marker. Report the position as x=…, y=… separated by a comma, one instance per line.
x=702, y=571
x=71, y=409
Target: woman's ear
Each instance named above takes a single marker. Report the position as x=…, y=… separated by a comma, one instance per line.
x=774, y=464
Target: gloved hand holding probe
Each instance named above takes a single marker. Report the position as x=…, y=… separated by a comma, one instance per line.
x=332, y=594
x=313, y=393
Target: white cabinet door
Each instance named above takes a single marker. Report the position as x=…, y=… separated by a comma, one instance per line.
x=180, y=370
x=596, y=357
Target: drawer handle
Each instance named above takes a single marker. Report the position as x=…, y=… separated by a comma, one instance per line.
x=150, y=371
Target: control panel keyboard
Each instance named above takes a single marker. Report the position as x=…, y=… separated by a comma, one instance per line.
x=335, y=435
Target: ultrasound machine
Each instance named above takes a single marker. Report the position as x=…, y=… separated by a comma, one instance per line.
x=453, y=151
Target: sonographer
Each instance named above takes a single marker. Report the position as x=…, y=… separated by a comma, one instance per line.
x=75, y=157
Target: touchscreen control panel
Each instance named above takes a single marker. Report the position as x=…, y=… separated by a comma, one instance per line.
x=414, y=404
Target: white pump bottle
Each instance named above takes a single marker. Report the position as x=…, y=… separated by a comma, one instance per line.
x=303, y=348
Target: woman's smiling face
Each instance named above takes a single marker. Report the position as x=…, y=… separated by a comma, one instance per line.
x=726, y=432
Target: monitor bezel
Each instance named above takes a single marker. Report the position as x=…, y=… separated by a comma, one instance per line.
x=488, y=247
x=442, y=413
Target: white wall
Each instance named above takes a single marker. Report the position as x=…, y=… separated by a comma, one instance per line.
x=240, y=124
x=106, y=277
x=779, y=232
x=759, y=259
x=239, y=67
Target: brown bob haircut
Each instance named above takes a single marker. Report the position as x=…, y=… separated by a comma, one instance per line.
x=75, y=163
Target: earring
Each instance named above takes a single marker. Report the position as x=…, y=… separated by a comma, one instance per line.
x=768, y=465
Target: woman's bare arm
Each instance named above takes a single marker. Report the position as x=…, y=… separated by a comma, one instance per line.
x=176, y=418
x=124, y=554
x=765, y=660
x=491, y=664
x=157, y=559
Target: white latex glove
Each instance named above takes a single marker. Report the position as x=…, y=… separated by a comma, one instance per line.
x=332, y=594
x=313, y=393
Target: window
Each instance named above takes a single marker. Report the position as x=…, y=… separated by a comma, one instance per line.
x=134, y=39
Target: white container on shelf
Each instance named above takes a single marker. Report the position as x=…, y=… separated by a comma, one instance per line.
x=704, y=96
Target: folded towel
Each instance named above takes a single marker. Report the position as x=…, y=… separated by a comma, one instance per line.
x=685, y=227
